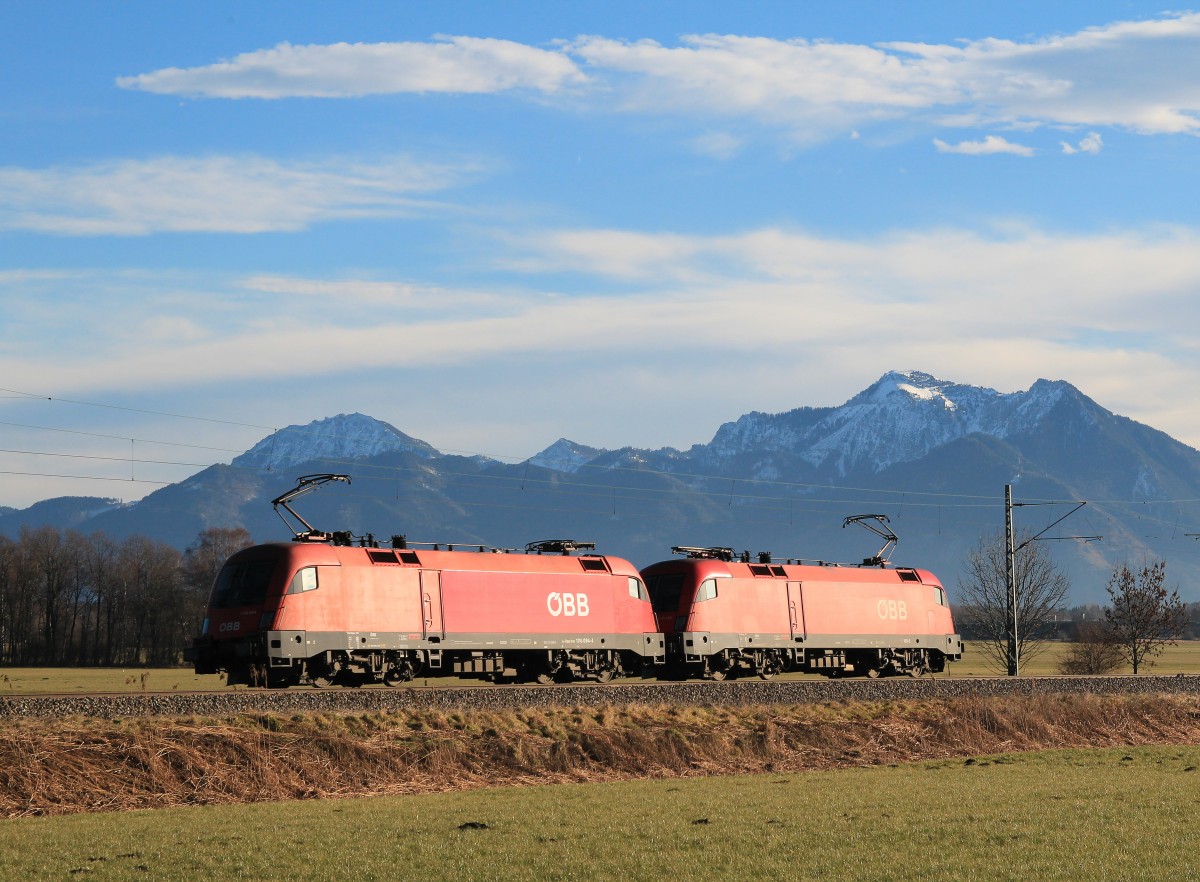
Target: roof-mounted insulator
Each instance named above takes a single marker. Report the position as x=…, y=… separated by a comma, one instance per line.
x=696, y=552
x=558, y=546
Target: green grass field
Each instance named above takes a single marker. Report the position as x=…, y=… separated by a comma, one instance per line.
x=86, y=681
x=1182, y=658
x=1124, y=814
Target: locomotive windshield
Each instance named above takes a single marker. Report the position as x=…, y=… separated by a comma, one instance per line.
x=665, y=590
x=243, y=584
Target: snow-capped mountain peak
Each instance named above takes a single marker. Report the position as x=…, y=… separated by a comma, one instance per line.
x=899, y=418
x=342, y=437
x=565, y=456
x=915, y=384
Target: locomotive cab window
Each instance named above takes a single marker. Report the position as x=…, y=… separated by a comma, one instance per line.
x=243, y=584
x=304, y=580
x=665, y=591
x=637, y=589
x=939, y=596
x=707, y=590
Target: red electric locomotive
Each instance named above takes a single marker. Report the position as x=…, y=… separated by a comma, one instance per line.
x=319, y=610
x=724, y=616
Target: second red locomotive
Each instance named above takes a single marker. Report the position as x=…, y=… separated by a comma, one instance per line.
x=722, y=617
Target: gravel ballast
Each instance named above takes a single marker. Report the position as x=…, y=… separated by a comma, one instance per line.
x=520, y=697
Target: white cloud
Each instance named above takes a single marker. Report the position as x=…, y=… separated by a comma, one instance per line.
x=1143, y=76
x=777, y=78
x=351, y=70
x=1053, y=285
x=371, y=293
x=1053, y=303
x=719, y=145
x=989, y=145
x=614, y=253
x=1092, y=144
x=240, y=194
x=754, y=320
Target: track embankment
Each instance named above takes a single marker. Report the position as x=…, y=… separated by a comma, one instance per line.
x=107, y=763
x=514, y=698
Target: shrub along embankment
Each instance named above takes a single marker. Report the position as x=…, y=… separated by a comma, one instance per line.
x=80, y=764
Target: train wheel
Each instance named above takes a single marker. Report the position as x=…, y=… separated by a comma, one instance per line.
x=396, y=675
x=717, y=669
x=604, y=675
x=400, y=671
x=769, y=666
x=545, y=678
x=279, y=679
x=321, y=675
x=920, y=666
x=873, y=673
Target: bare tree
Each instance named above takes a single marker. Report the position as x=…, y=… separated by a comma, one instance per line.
x=1091, y=652
x=982, y=607
x=205, y=557
x=69, y=598
x=1144, y=617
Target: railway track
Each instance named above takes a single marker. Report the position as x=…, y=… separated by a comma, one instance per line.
x=414, y=697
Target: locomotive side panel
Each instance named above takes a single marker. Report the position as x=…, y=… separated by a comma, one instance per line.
x=743, y=606
x=354, y=597
x=522, y=603
x=879, y=613
x=878, y=607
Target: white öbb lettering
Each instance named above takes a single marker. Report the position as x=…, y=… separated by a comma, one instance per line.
x=230, y=626
x=567, y=604
x=896, y=610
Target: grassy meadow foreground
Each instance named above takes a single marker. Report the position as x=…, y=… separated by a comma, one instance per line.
x=1182, y=658
x=1042, y=787
x=1115, y=814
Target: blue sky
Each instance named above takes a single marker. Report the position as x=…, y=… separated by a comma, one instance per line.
x=493, y=225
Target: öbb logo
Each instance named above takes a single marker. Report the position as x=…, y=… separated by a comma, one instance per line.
x=896, y=610
x=567, y=604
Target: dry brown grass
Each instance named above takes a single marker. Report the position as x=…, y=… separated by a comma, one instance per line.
x=98, y=765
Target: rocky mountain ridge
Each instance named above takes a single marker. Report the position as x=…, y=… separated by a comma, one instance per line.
x=933, y=455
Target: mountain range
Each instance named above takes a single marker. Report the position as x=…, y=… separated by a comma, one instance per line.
x=931, y=455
